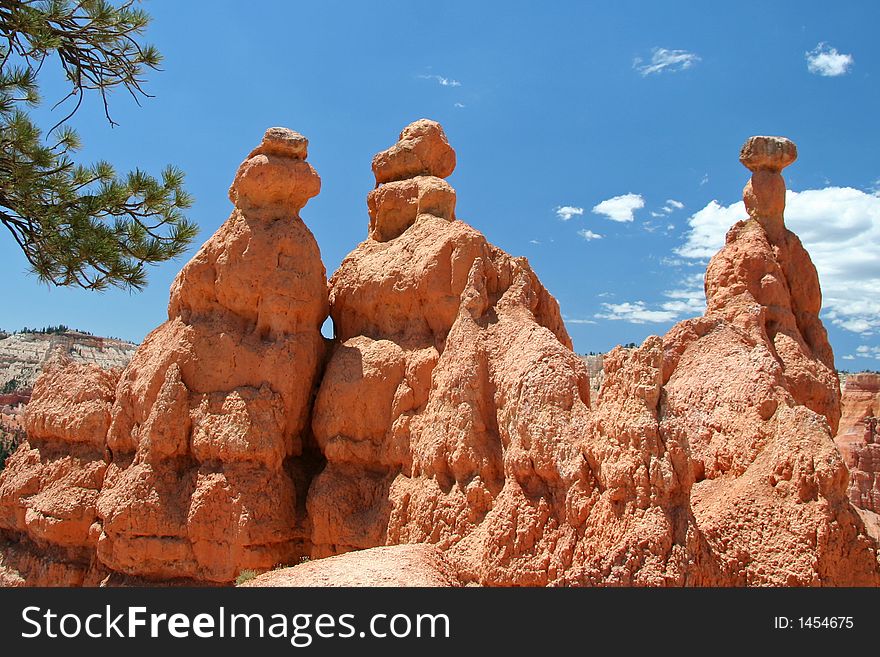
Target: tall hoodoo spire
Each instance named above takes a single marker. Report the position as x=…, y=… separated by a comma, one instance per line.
x=764, y=194
x=211, y=416
x=409, y=181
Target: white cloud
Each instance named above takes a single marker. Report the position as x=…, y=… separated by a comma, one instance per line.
x=459, y=105
x=589, y=235
x=704, y=179
x=620, y=208
x=708, y=227
x=442, y=81
x=579, y=321
x=839, y=226
x=849, y=357
x=664, y=60
x=669, y=207
x=868, y=352
x=566, y=212
x=635, y=313
x=689, y=298
x=686, y=300
x=826, y=61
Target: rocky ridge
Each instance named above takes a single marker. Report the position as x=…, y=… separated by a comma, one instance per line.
x=24, y=355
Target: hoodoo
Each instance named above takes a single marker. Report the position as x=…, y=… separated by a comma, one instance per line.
x=451, y=414
x=211, y=419
x=452, y=411
x=750, y=390
x=49, y=525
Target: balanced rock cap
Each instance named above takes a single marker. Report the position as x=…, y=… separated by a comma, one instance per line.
x=275, y=175
x=767, y=153
x=421, y=150
x=283, y=142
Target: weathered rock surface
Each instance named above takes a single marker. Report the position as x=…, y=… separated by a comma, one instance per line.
x=750, y=389
x=451, y=437
x=211, y=423
x=49, y=488
x=453, y=412
x=858, y=438
x=395, y=565
x=421, y=150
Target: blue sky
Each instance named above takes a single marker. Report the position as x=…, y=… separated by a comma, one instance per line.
x=621, y=120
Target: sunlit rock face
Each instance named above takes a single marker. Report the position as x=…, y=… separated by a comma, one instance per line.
x=210, y=427
x=449, y=412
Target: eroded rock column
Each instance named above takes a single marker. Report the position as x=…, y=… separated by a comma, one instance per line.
x=751, y=394
x=210, y=436
x=454, y=412
x=49, y=488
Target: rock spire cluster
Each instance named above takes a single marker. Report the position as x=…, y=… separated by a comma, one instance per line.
x=449, y=412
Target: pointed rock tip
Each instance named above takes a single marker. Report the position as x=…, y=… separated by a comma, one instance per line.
x=767, y=153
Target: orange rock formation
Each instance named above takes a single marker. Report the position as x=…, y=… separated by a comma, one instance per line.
x=215, y=403
x=49, y=488
x=452, y=413
x=750, y=391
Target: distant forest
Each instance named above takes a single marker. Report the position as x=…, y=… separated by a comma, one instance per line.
x=46, y=330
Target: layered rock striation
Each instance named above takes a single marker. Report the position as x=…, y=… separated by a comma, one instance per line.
x=24, y=355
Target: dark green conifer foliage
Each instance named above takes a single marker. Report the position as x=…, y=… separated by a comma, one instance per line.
x=80, y=225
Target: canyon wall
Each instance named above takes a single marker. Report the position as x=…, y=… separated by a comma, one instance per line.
x=858, y=438
x=24, y=355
